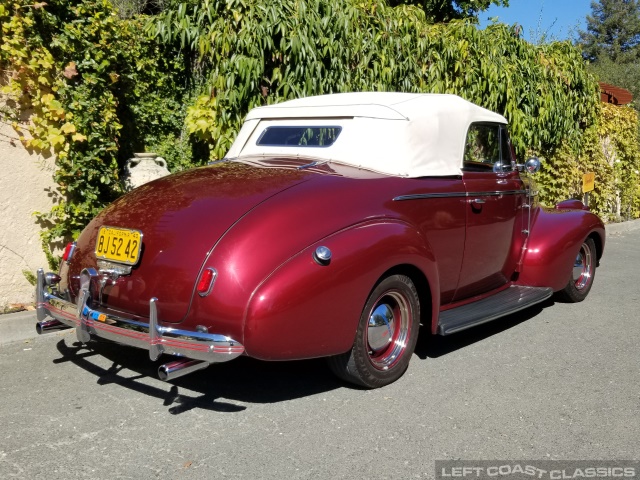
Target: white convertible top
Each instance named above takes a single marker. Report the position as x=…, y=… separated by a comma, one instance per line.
x=403, y=134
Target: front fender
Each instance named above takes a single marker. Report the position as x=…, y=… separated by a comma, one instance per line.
x=305, y=310
x=554, y=242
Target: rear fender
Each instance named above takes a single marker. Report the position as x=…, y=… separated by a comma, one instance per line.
x=305, y=310
x=554, y=242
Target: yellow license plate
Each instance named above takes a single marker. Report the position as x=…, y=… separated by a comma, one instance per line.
x=119, y=245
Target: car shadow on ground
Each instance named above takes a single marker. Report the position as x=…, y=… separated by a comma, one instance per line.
x=434, y=346
x=245, y=379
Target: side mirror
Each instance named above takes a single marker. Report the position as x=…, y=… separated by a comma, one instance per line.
x=532, y=165
x=500, y=167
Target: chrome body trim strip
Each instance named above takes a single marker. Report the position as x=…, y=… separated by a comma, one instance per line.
x=422, y=196
x=156, y=338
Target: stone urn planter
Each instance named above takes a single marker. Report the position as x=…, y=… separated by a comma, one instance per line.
x=143, y=168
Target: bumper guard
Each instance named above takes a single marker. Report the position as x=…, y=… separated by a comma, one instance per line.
x=157, y=339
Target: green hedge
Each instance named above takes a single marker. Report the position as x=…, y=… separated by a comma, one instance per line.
x=250, y=53
x=610, y=149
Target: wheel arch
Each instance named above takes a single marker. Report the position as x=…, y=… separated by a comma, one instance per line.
x=599, y=242
x=423, y=286
x=554, y=241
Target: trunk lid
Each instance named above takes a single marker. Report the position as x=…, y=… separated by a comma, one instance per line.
x=181, y=218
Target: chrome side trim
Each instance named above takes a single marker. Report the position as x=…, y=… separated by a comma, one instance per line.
x=422, y=196
x=152, y=336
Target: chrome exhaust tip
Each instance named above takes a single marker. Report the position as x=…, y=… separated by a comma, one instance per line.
x=50, y=326
x=170, y=371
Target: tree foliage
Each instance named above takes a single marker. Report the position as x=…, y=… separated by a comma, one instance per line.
x=625, y=75
x=611, y=43
x=446, y=10
x=613, y=31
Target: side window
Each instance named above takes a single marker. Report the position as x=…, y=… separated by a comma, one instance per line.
x=508, y=156
x=482, y=147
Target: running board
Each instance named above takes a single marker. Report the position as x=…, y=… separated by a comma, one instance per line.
x=506, y=302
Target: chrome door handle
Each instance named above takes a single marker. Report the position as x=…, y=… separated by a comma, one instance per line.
x=478, y=201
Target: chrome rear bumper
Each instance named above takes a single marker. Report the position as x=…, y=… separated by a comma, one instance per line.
x=151, y=336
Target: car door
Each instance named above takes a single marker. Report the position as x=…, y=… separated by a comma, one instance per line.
x=495, y=197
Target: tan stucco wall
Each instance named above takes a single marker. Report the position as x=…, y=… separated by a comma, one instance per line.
x=24, y=180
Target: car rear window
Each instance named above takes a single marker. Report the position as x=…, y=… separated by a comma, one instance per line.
x=299, y=136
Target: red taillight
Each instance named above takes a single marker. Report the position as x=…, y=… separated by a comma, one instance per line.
x=207, y=279
x=68, y=251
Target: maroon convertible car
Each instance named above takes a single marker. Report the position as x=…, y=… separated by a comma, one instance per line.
x=335, y=227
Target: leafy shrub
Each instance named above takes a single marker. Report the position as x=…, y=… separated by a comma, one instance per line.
x=250, y=53
x=98, y=89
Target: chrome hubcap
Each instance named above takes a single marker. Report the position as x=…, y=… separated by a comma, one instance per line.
x=388, y=329
x=381, y=325
x=582, y=267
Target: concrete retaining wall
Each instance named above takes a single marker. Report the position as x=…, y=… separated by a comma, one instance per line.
x=24, y=181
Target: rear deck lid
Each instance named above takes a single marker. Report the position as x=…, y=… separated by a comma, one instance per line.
x=179, y=219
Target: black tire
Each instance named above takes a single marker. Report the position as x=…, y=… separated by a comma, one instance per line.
x=582, y=274
x=386, y=335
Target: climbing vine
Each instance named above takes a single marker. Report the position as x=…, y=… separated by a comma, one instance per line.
x=97, y=89
x=618, y=141
x=610, y=149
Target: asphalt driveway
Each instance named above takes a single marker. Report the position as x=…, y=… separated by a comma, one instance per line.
x=557, y=381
